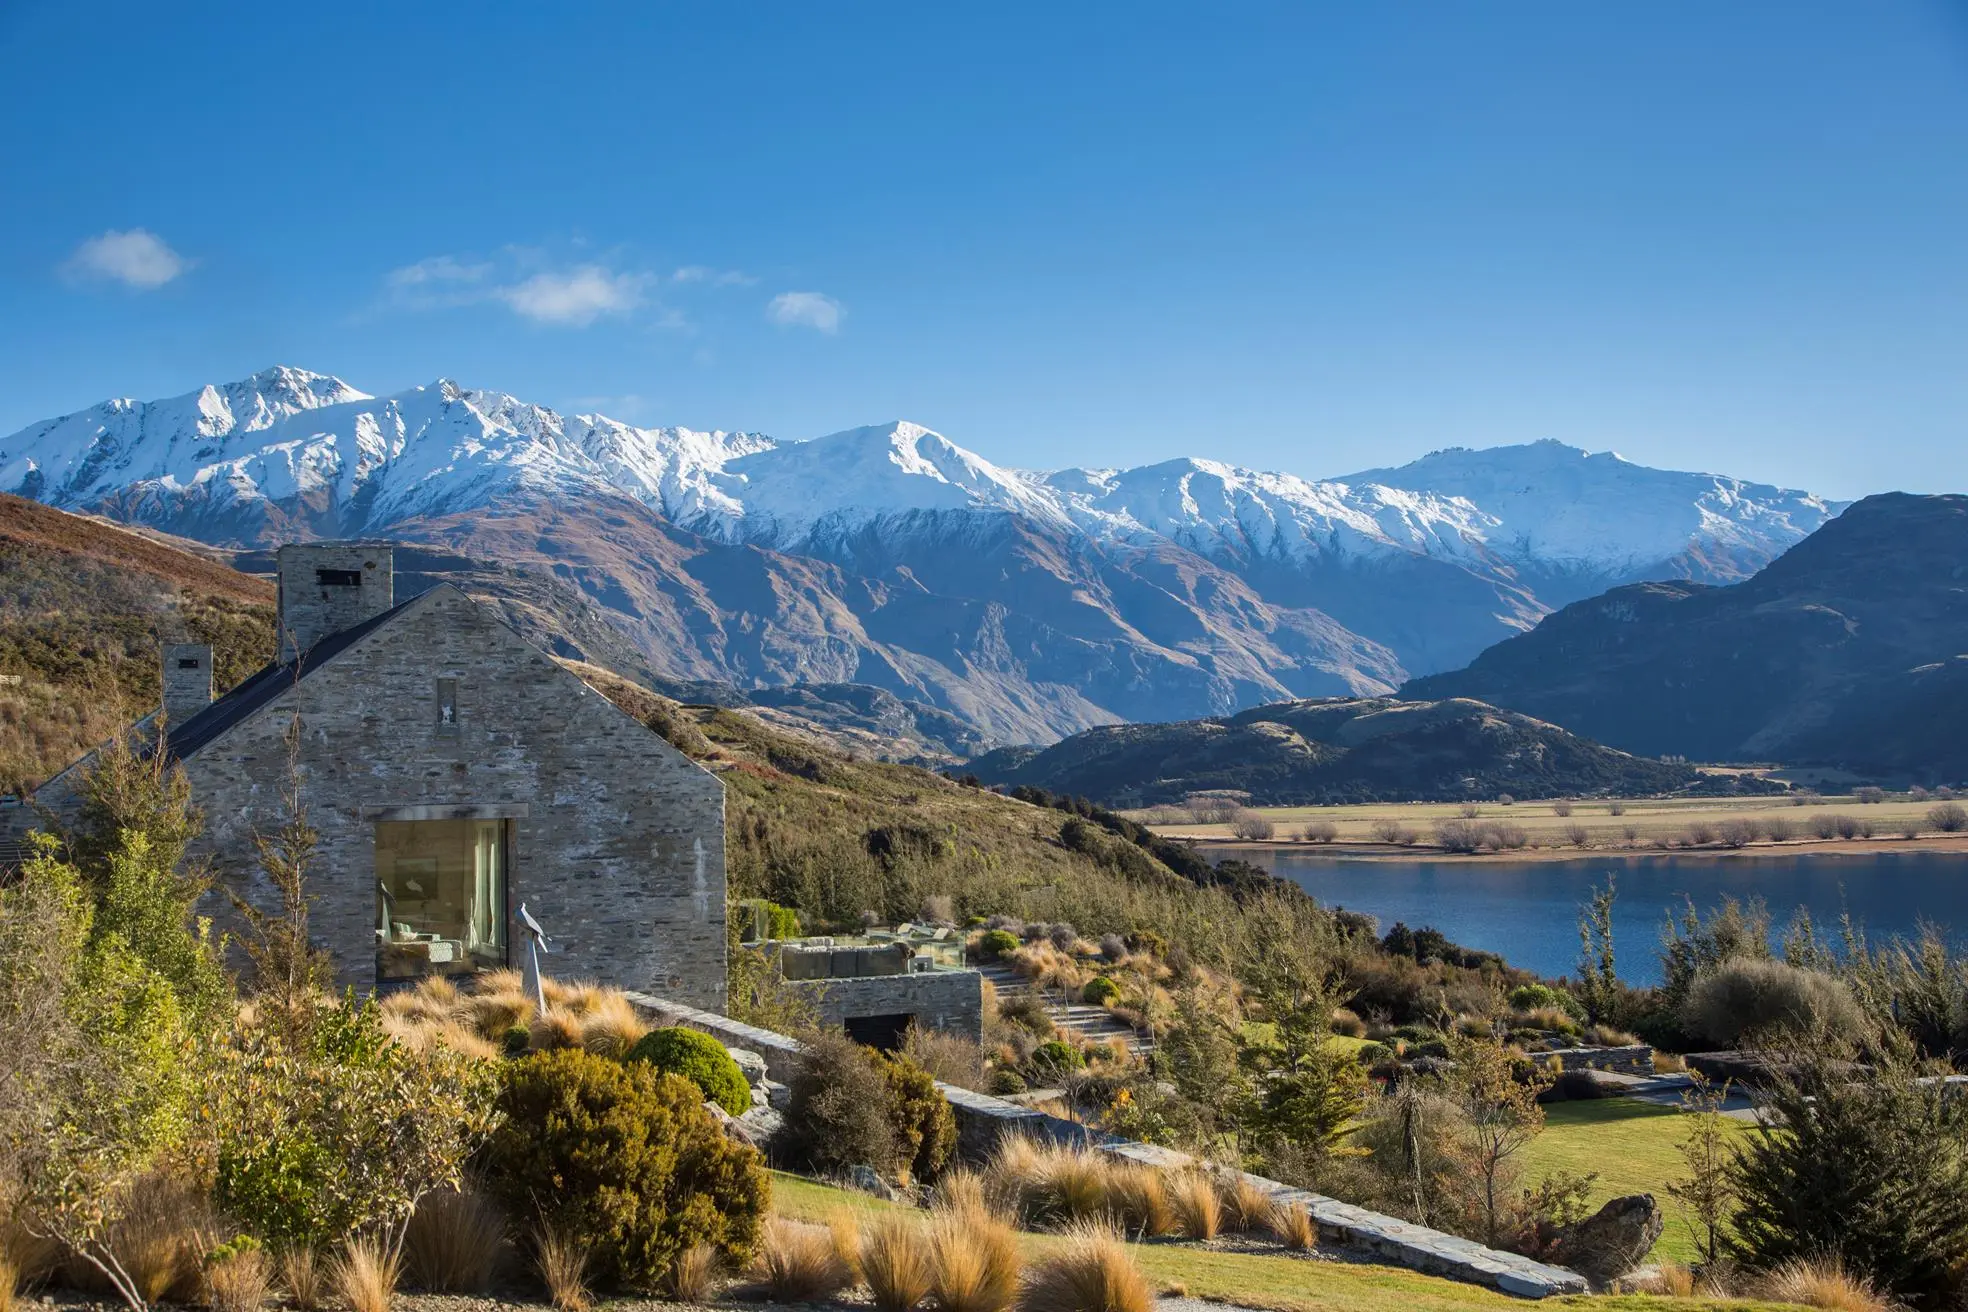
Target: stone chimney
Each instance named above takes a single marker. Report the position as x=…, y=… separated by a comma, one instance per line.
x=187, y=680
x=326, y=587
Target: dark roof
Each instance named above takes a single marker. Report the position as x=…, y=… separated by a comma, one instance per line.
x=181, y=740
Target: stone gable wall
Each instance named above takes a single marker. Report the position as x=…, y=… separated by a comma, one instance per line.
x=618, y=839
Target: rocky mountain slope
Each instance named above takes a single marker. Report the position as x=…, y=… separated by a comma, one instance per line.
x=1031, y=605
x=1850, y=649
x=1333, y=751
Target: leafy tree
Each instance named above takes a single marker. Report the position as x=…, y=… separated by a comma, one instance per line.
x=1708, y=1190
x=1502, y=1114
x=347, y=1130
x=1598, y=983
x=98, y=1063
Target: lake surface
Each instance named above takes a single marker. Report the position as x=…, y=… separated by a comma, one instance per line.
x=1527, y=911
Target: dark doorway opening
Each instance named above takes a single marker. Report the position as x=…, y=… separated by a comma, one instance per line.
x=883, y=1033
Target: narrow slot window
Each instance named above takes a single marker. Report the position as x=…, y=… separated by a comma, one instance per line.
x=447, y=704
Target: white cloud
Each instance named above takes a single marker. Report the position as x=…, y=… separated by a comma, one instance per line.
x=714, y=277
x=137, y=258
x=438, y=269
x=577, y=296
x=806, y=310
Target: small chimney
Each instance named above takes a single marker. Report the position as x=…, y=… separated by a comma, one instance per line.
x=187, y=680
x=326, y=587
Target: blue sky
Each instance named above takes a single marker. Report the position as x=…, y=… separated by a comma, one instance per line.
x=1308, y=237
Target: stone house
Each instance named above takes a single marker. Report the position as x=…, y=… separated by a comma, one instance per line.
x=454, y=772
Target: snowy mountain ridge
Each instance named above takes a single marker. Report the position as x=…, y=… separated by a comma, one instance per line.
x=231, y=462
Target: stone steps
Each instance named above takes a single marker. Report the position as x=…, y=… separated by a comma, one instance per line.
x=1081, y=1019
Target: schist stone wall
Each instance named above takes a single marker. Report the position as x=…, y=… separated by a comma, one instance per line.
x=949, y=1000
x=617, y=838
x=330, y=586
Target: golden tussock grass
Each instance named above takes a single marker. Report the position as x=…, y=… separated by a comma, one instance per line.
x=1671, y=1279
x=365, y=1274
x=302, y=1278
x=239, y=1282
x=558, y=1028
x=562, y=1261
x=844, y=1229
x=1246, y=1204
x=1198, y=1209
x=895, y=1261
x=694, y=1274
x=799, y=1263
x=974, y=1261
x=1091, y=1272
x=1822, y=1282
x=452, y=1243
x=961, y=1190
x=1140, y=1200
x=1293, y=1226
x=611, y=1027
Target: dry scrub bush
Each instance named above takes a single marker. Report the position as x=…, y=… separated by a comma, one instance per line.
x=1578, y=835
x=1091, y=1272
x=799, y=1262
x=1746, y=998
x=365, y=1274
x=951, y=1058
x=1822, y=1282
x=974, y=1262
x=452, y=1243
x=1319, y=831
x=1736, y=833
x=1561, y=808
x=1948, y=818
x=1198, y=1209
x=238, y=1280
x=693, y=1275
x=1250, y=826
x=160, y=1240
x=1246, y=1205
x=1294, y=1227
x=562, y=1261
x=895, y=1262
x=1779, y=829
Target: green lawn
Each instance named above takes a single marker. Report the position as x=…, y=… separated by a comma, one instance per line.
x=1261, y=1280
x=1633, y=1146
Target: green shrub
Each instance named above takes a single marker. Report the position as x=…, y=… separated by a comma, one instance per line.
x=1004, y=1080
x=996, y=943
x=1539, y=997
x=925, y=1129
x=700, y=1059
x=1100, y=991
x=626, y=1161
x=1055, y=1056
x=518, y=1041
x=1752, y=997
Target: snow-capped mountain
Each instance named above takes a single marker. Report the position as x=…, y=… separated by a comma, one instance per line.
x=1244, y=584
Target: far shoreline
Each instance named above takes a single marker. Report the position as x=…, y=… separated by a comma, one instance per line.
x=1391, y=853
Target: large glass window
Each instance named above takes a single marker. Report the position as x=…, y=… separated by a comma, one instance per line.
x=440, y=897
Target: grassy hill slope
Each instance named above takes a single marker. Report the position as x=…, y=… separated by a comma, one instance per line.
x=1333, y=751
x=83, y=607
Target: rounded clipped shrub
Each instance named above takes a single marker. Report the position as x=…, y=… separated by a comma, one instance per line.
x=700, y=1059
x=1005, y=1080
x=1542, y=997
x=996, y=943
x=1750, y=997
x=1100, y=991
x=624, y=1160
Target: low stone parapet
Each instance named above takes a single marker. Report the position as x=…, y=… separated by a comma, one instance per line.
x=1633, y=1059
x=984, y=1121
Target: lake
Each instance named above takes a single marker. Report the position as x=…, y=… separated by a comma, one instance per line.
x=1527, y=911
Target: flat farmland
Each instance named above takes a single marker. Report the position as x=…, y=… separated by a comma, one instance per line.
x=1641, y=824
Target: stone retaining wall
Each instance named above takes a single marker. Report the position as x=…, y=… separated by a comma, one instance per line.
x=1635, y=1059
x=982, y=1121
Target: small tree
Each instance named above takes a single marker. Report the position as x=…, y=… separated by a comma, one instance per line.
x=1503, y=1116
x=1598, y=984
x=290, y=974
x=1708, y=1190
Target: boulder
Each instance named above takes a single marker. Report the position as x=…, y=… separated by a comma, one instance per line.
x=763, y=1124
x=734, y=1128
x=868, y=1180
x=778, y=1096
x=750, y=1065
x=1610, y=1242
